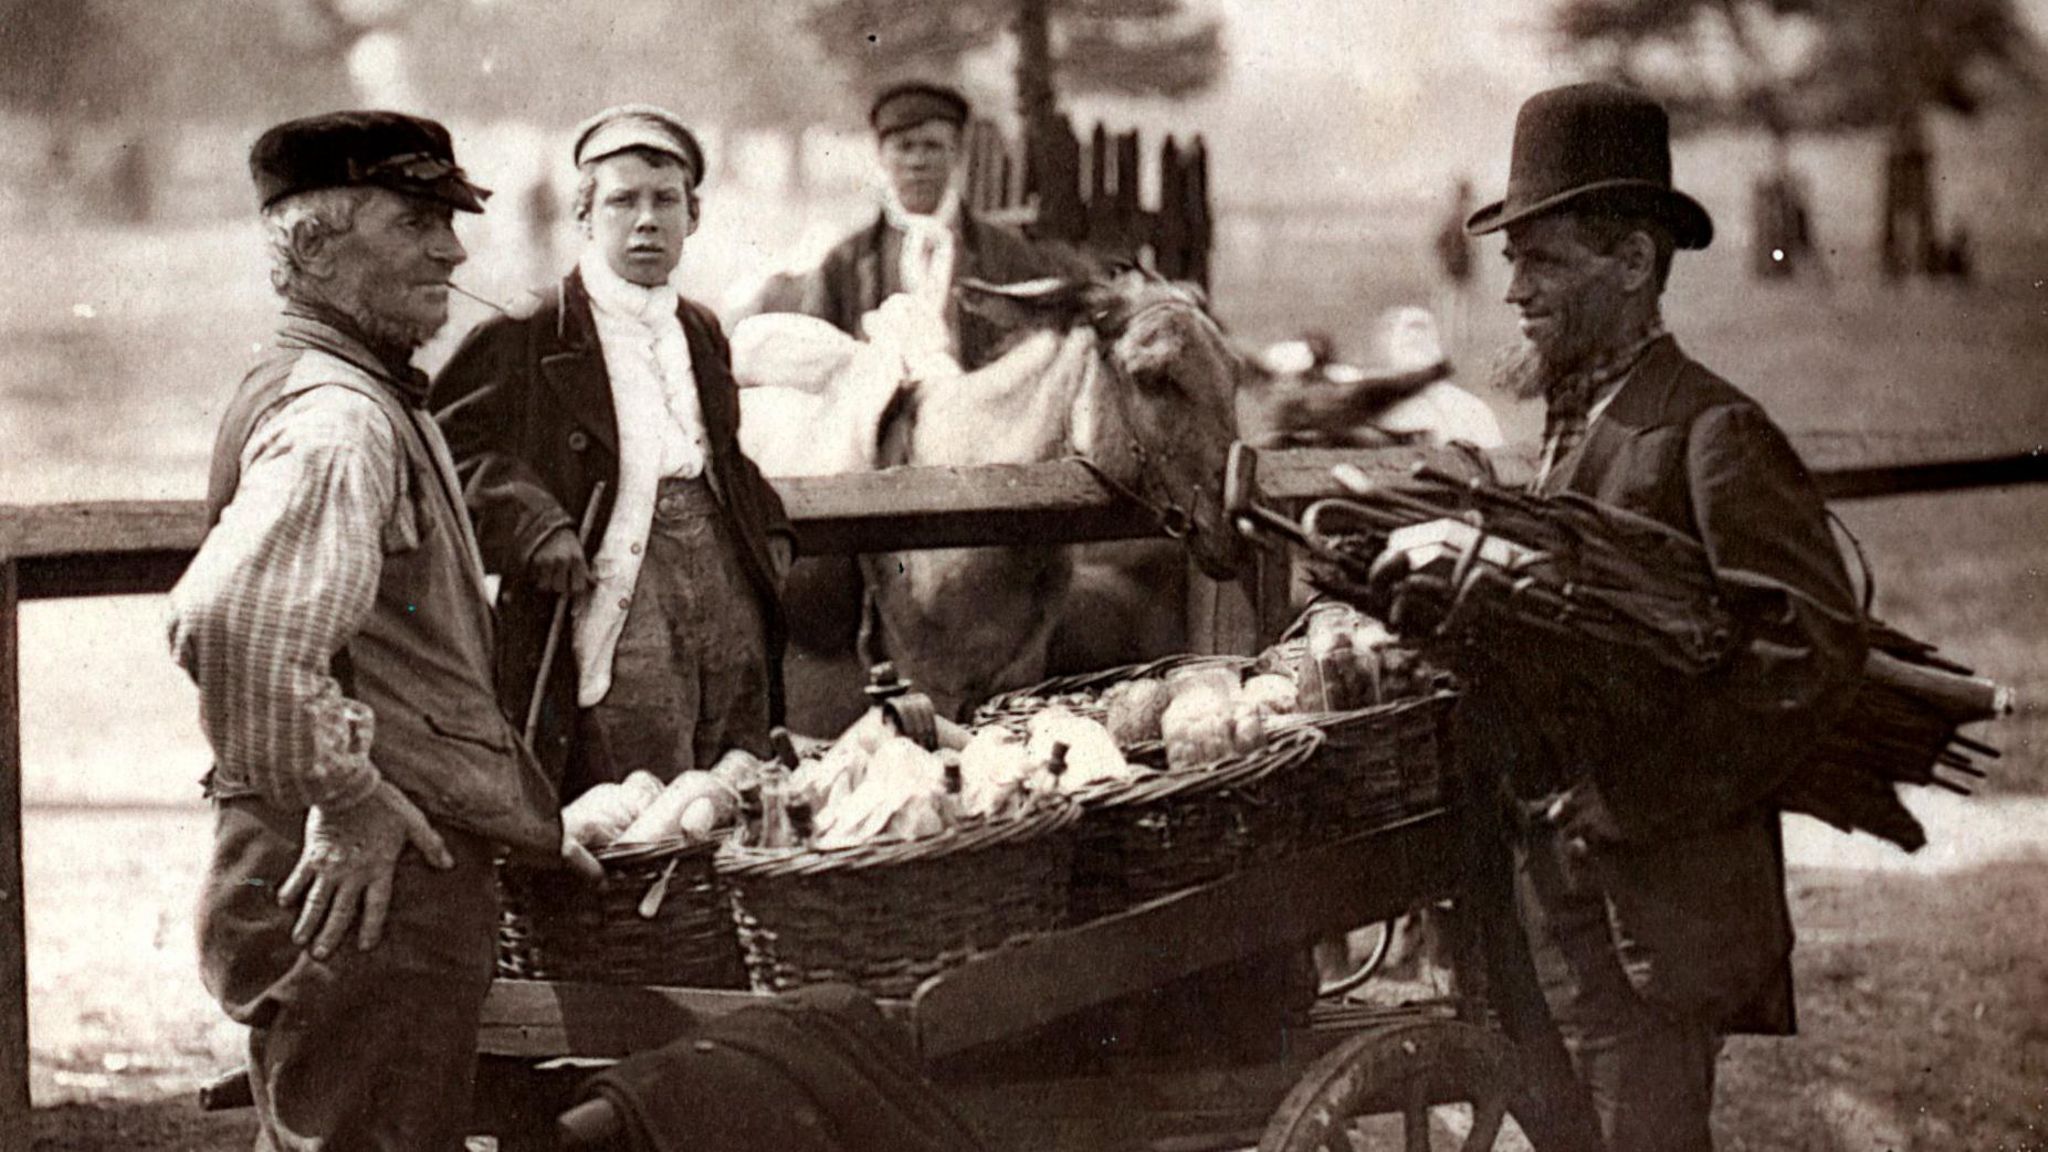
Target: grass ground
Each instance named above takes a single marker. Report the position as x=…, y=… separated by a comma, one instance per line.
x=1925, y=1000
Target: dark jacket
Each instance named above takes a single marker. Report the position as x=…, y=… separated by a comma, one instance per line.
x=527, y=409
x=860, y=272
x=1695, y=892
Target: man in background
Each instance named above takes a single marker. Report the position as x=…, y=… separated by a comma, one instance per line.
x=335, y=623
x=676, y=618
x=925, y=241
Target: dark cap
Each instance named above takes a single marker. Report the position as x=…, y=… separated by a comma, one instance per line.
x=406, y=154
x=1600, y=147
x=907, y=105
x=615, y=130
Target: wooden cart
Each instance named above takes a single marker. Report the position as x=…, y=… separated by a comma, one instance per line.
x=1343, y=1064
x=1437, y=1073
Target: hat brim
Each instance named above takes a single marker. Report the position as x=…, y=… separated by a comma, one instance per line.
x=1691, y=226
x=457, y=193
x=454, y=191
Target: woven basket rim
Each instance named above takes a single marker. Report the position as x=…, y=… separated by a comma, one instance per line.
x=1047, y=816
x=1282, y=750
x=1355, y=717
x=626, y=856
x=1107, y=677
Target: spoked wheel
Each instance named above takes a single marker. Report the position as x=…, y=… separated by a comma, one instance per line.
x=1413, y=1086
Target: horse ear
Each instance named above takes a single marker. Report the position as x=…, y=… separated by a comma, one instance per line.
x=1049, y=302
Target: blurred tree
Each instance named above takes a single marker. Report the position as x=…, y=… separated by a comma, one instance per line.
x=1820, y=65
x=52, y=59
x=105, y=78
x=1121, y=47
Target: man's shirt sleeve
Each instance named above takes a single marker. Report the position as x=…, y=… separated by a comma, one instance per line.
x=282, y=582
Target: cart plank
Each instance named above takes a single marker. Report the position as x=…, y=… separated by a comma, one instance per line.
x=541, y=1019
x=1271, y=906
x=1130, y=1110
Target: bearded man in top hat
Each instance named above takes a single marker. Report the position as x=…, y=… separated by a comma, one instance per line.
x=335, y=622
x=1648, y=871
x=925, y=241
x=613, y=378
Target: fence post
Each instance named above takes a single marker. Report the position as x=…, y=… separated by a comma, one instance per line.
x=1200, y=228
x=14, y=1104
x=1170, y=224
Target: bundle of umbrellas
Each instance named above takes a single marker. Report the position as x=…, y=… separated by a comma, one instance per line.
x=1443, y=557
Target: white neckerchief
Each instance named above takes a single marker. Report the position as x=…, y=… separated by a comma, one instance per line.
x=929, y=243
x=654, y=384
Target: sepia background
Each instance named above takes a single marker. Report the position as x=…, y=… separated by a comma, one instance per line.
x=134, y=290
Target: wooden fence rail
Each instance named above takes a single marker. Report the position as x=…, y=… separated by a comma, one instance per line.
x=92, y=549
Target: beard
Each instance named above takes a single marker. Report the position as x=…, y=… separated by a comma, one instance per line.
x=394, y=332
x=1523, y=371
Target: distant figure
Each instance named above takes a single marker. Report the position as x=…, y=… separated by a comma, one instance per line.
x=926, y=240
x=1454, y=262
x=1909, y=242
x=1784, y=245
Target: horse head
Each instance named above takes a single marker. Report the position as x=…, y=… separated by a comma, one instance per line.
x=1165, y=419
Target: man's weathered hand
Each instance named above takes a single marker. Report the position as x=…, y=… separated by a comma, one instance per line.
x=559, y=565
x=578, y=860
x=347, y=865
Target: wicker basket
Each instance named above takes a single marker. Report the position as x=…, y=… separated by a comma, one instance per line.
x=1375, y=764
x=1147, y=837
x=889, y=916
x=554, y=926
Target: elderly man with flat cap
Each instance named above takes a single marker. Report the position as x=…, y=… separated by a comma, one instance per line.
x=676, y=619
x=335, y=622
x=1649, y=877
x=925, y=241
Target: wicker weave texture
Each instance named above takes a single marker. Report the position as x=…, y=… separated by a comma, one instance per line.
x=888, y=928
x=1171, y=830
x=1375, y=764
x=553, y=926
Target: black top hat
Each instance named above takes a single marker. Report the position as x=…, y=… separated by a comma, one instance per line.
x=407, y=154
x=909, y=104
x=1598, y=146
x=615, y=130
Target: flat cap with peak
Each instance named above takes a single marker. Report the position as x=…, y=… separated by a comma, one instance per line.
x=907, y=105
x=617, y=129
x=406, y=154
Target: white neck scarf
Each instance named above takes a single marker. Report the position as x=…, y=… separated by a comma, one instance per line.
x=647, y=356
x=929, y=243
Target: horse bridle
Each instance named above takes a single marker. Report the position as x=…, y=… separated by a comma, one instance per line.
x=1153, y=492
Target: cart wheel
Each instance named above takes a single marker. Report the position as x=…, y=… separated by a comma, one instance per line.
x=1344, y=976
x=1411, y=1086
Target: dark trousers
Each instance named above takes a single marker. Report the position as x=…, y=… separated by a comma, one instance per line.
x=365, y=1050
x=1648, y=1068
x=690, y=675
